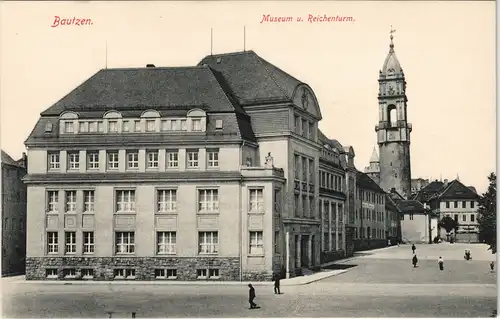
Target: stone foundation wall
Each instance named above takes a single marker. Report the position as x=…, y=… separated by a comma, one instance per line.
x=329, y=256
x=257, y=276
x=103, y=267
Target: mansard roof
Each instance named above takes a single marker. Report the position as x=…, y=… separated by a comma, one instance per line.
x=139, y=89
x=253, y=79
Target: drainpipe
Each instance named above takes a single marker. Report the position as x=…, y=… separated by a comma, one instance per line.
x=241, y=215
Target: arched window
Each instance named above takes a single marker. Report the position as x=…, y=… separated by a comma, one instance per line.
x=392, y=116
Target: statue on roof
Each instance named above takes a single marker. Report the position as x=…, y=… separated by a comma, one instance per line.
x=269, y=161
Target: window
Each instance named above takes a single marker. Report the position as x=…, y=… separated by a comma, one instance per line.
x=70, y=201
x=297, y=166
x=167, y=200
x=256, y=243
x=297, y=124
x=87, y=273
x=471, y=204
x=411, y=216
x=125, y=243
x=152, y=157
x=176, y=125
x=304, y=128
x=70, y=237
x=166, y=273
x=53, y=201
x=112, y=160
x=218, y=124
x=112, y=126
x=88, y=201
x=125, y=201
x=54, y=161
x=304, y=169
x=126, y=126
x=296, y=202
x=124, y=273
x=304, y=206
x=208, y=242
x=464, y=204
x=100, y=127
x=213, y=158
x=311, y=171
x=277, y=245
x=172, y=159
x=51, y=273
x=456, y=204
x=88, y=242
x=165, y=242
x=277, y=201
x=166, y=125
x=92, y=127
x=311, y=130
x=132, y=159
x=455, y=217
x=69, y=273
x=201, y=273
x=183, y=125
x=83, y=127
x=256, y=200
x=192, y=159
x=472, y=217
x=150, y=125
x=447, y=204
x=196, y=125
x=213, y=273
x=208, y=200
x=93, y=160
x=464, y=218
x=137, y=126
x=68, y=127
x=52, y=243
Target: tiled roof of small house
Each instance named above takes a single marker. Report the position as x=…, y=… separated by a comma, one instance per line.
x=411, y=206
x=456, y=190
x=365, y=182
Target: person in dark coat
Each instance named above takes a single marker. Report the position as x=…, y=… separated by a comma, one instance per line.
x=414, y=261
x=413, y=248
x=251, y=297
x=492, y=266
x=277, y=284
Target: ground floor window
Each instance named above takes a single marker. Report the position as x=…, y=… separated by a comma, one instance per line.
x=87, y=273
x=69, y=273
x=51, y=273
x=212, y=273
x=166, y=273
x=124, y=273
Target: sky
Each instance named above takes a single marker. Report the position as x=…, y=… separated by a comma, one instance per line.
x=446, y=48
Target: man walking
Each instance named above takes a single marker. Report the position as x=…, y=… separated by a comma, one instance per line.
x=251, y=297
x=277, y=284
x=413, y=248
x=441, y=263
x=414, y=261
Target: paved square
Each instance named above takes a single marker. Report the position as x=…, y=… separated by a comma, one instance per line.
x=384, y=284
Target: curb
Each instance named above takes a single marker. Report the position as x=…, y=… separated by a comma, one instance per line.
x=296, y=281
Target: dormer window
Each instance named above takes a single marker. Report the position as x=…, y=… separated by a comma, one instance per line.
x=137, y=126
x=84, y=127
x=69, y=127
x=100, y=127
x=150, y=125
x=48, y=127
x=183, y=125
x=113, y=126
x=126, y=126
x=196, y=125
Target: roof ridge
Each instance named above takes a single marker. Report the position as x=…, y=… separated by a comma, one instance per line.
x=156, y=68
x=232, y=53
x=271, y=76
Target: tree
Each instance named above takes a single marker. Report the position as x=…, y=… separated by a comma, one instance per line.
x=487, y=215
x=448, y=224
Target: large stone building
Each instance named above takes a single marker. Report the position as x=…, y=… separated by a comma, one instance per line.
x=13, y=215
x=209, y=172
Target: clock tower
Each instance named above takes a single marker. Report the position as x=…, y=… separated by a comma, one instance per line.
x=393, y=129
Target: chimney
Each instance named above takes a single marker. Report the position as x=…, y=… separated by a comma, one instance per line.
x=150, y=66
x=24, y=160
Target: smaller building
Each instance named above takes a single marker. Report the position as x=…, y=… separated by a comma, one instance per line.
x=13, y=215
x=392, y=220
x=415, y=219
x=417, y=184
x=461, y=203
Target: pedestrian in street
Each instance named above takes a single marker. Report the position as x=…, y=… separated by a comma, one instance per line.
x=492, y=266
x=441, y=263
x=413, y=248
x=277, y=284
x=251, y=296
x=414, y=261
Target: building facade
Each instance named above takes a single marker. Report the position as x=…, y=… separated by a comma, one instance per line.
x=393, y=129
x=371, y=214
x=208, y=172
x=332, y=199
x=13, y=215
x=461, y=203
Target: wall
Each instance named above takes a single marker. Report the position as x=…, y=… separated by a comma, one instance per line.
x=416, y=230
x=13, y=220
